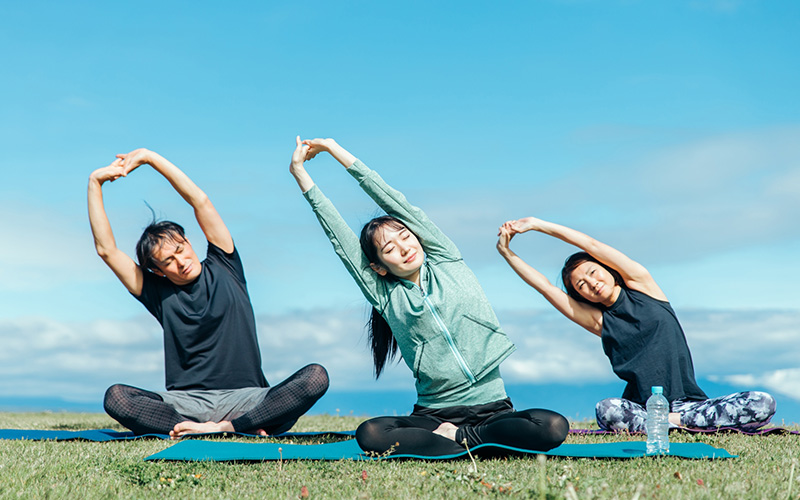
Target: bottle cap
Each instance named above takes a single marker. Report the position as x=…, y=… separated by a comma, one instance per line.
x=657, y=389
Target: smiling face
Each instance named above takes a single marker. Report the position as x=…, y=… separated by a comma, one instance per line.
x=594, y=283
x=175, y=260
x=399, y=251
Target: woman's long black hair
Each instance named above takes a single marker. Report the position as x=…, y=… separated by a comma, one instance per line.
x=379, y=334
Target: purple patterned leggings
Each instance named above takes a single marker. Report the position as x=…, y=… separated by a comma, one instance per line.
x=742, y=410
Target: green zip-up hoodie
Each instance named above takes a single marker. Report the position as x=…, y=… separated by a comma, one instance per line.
x=446, y=330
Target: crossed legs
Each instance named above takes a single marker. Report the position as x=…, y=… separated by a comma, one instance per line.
x=431, y=435
x=742, y=410
x=145, y=412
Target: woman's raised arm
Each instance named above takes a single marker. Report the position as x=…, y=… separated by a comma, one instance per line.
x=635, y=275
x=586, y=316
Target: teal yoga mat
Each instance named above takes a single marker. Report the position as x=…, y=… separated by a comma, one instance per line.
x=225, y=451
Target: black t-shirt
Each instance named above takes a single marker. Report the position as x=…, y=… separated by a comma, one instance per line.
x=646, y=346
x=209, y=327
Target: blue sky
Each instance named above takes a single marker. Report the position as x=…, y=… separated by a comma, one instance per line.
x=667, y=129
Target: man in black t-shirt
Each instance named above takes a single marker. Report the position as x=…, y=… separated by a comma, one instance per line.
x=212, y=361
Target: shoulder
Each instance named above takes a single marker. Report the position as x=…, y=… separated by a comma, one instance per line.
x=439, y=259
x=154, y=290
x=230, y=261
x=640, y=296
x=216, y=253
x=152, y=283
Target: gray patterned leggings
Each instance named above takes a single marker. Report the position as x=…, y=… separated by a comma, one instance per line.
x=742, y=410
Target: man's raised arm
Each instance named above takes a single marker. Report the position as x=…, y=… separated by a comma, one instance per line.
x=210, y=221
x=123, y=266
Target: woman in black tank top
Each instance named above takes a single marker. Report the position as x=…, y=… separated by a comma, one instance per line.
x=617, y=299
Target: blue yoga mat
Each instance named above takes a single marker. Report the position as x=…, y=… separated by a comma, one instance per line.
x=112, y=435
x=222, y=451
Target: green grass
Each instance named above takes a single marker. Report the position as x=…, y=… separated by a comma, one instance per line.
x=46, y=469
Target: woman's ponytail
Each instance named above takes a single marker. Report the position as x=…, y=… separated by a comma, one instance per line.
x=381, y=341
x=380, y=338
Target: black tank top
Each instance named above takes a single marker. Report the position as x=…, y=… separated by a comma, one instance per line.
x=646, y=346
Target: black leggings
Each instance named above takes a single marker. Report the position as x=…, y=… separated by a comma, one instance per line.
x=497, y=422
x=145, y=412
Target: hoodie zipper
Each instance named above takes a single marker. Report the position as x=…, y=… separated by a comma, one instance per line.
x=448, y=337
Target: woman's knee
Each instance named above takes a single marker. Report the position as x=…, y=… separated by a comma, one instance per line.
x=615, y=414
x=603, y=413
x=764, y=402
x=545, y=429
x=371, y=435
x=555, y=427
x=604, y=405
x=560, y=427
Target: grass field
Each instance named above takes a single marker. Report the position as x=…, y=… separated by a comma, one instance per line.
x=767, y=467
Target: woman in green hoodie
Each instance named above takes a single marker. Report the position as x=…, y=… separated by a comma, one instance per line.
x=428, y=305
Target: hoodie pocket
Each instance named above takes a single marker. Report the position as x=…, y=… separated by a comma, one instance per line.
x=436, y=368
x=482, y=344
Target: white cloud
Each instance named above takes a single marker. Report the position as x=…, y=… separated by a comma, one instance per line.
x=785, y=382
x=551, y=349
x=731, y=342
x=335, y=339
x=79, y=360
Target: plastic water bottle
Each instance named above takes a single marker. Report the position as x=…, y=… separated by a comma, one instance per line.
x=657, y=424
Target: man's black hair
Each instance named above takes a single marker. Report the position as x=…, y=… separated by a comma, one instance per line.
x=154, y=235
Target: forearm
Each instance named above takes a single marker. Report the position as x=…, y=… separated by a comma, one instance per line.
x=104, y=241
x=528, y=274
x=346, y=244
x=394, y=203
x=304, y=181
x=568, y=235
x=181, y=182
x=588, y=318
x=340, y=154
x=633, y=273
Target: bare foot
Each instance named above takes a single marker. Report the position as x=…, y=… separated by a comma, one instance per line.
x=261, y=432
x=190, y=427
x=675, y=419
x=448, y=430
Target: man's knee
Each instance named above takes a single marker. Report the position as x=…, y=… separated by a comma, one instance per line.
x=113, y=396
x=316, y=379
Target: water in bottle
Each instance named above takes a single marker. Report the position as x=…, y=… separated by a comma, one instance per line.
x=657, y=424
